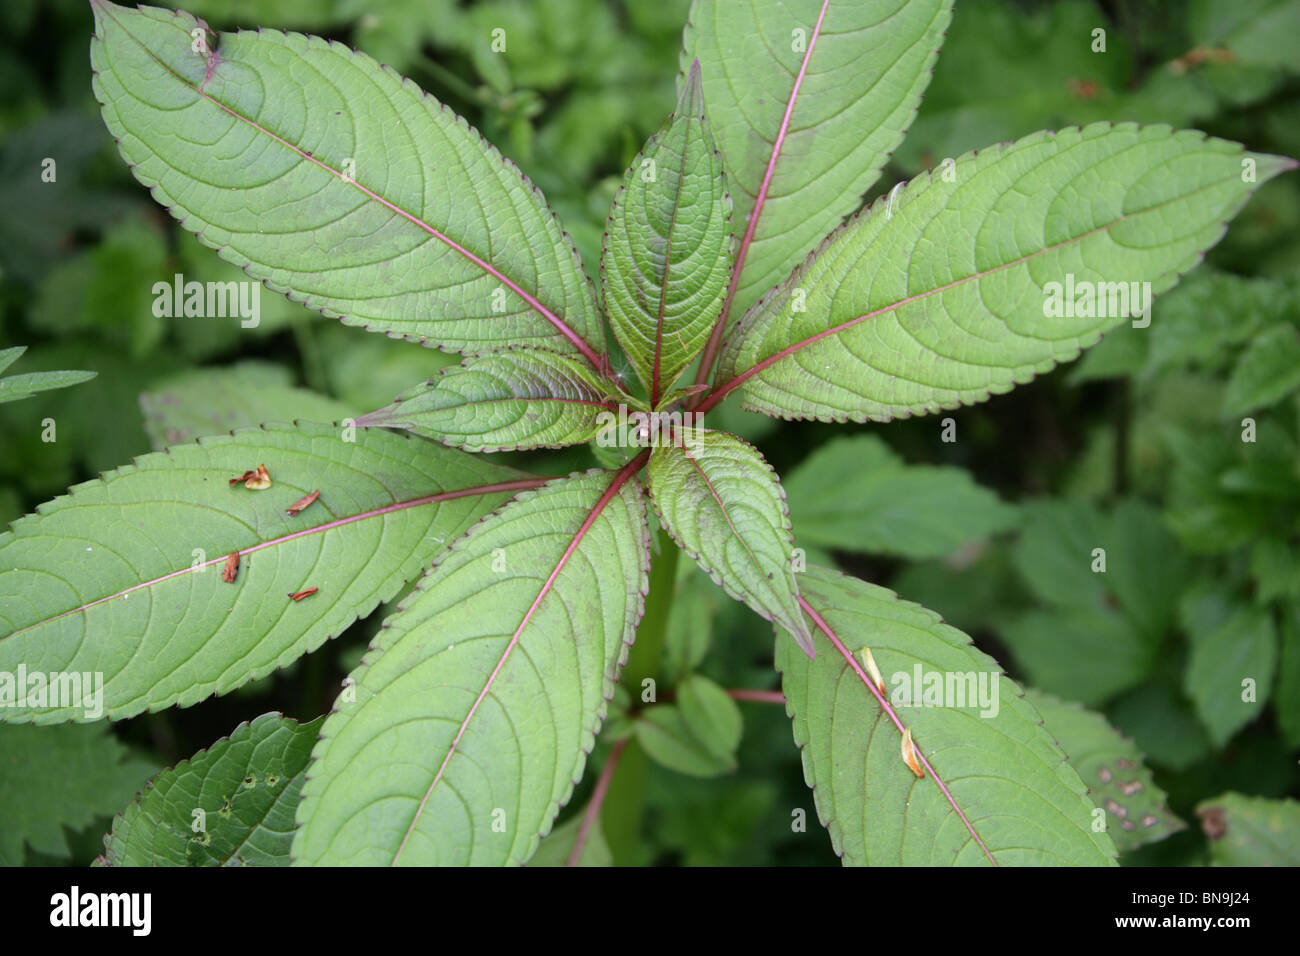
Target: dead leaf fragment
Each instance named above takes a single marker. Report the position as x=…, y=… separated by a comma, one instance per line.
x=909, y=754
x=258, y=480
x=302, y=503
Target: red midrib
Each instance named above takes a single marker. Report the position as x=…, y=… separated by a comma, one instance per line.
x=560, y=325
x=615, y=486
x=523, y=484
x=715, y=338
x=889, y=712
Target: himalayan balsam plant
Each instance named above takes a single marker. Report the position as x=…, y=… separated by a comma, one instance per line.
x=728, y=268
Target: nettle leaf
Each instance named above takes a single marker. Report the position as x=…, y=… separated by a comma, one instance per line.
x=712, y=716
x=494, y=674
x=15, y=387
x=210, y=401
x=807, y=100
x=996, y=787
x=1267, y=371
x=1230, y=670
x=892, y=317
x=504, y=401
x=123, y=577
x=246, y=787
x=856, y=494
x=1251, y=831
x=339, y=183
x=725, y=506
x=57, y=777
x=1112, y=767
x=667, y=251
x=667, y=738
x=557, y=848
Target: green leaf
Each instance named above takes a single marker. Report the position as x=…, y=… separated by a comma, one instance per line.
x=856, y=494
x=1091, y=655
x=57, y=777
x=558, y=845
x=1163, y=725
x=246, y=786
x=711, y=715
x=1251, y=831
x=1021, y=802
x=1267, y=371
x=890, y=317
x=667, y=251
x=1256, y=32
x=670, y=741
x=495, y=673
x=210, y=401
x=723, y=504
x=503, y=402
x=804, y=120
x=1074, y=556
x=340, y=184
x=1223, y=658
x=1112, y=768
x=15, y=387
x=123, y=577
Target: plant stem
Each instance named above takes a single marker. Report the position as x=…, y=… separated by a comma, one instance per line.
x=643, y=661
x=625, y=797
x=592, y=813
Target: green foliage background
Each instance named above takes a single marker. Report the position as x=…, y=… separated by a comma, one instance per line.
x=1136, y=448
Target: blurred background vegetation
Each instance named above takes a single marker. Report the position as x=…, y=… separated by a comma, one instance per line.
x=1137, y=447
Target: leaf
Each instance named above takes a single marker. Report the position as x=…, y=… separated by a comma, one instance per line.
x=15, y=387
x=667, y=253
x=1073, y=555
x=1222, y=659
x=1162, y=723
x=855, y=494
x=662, y=731
x=557, y=847
x=210, y=401
x=724, y=506
x=807, y=102
x=891, y=317
x=340, y=184
x=1014, y=799
x=1254, y=31
x=503, y=402
x=57, y=777
x=494, y=675
x=1112, y=768
x=712, y=717
x=246, y=786
x=121, y=577
x=1266, y=372
x=1089, y=655
x=1251, y=831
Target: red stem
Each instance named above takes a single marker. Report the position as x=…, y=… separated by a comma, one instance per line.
x=597, y=800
